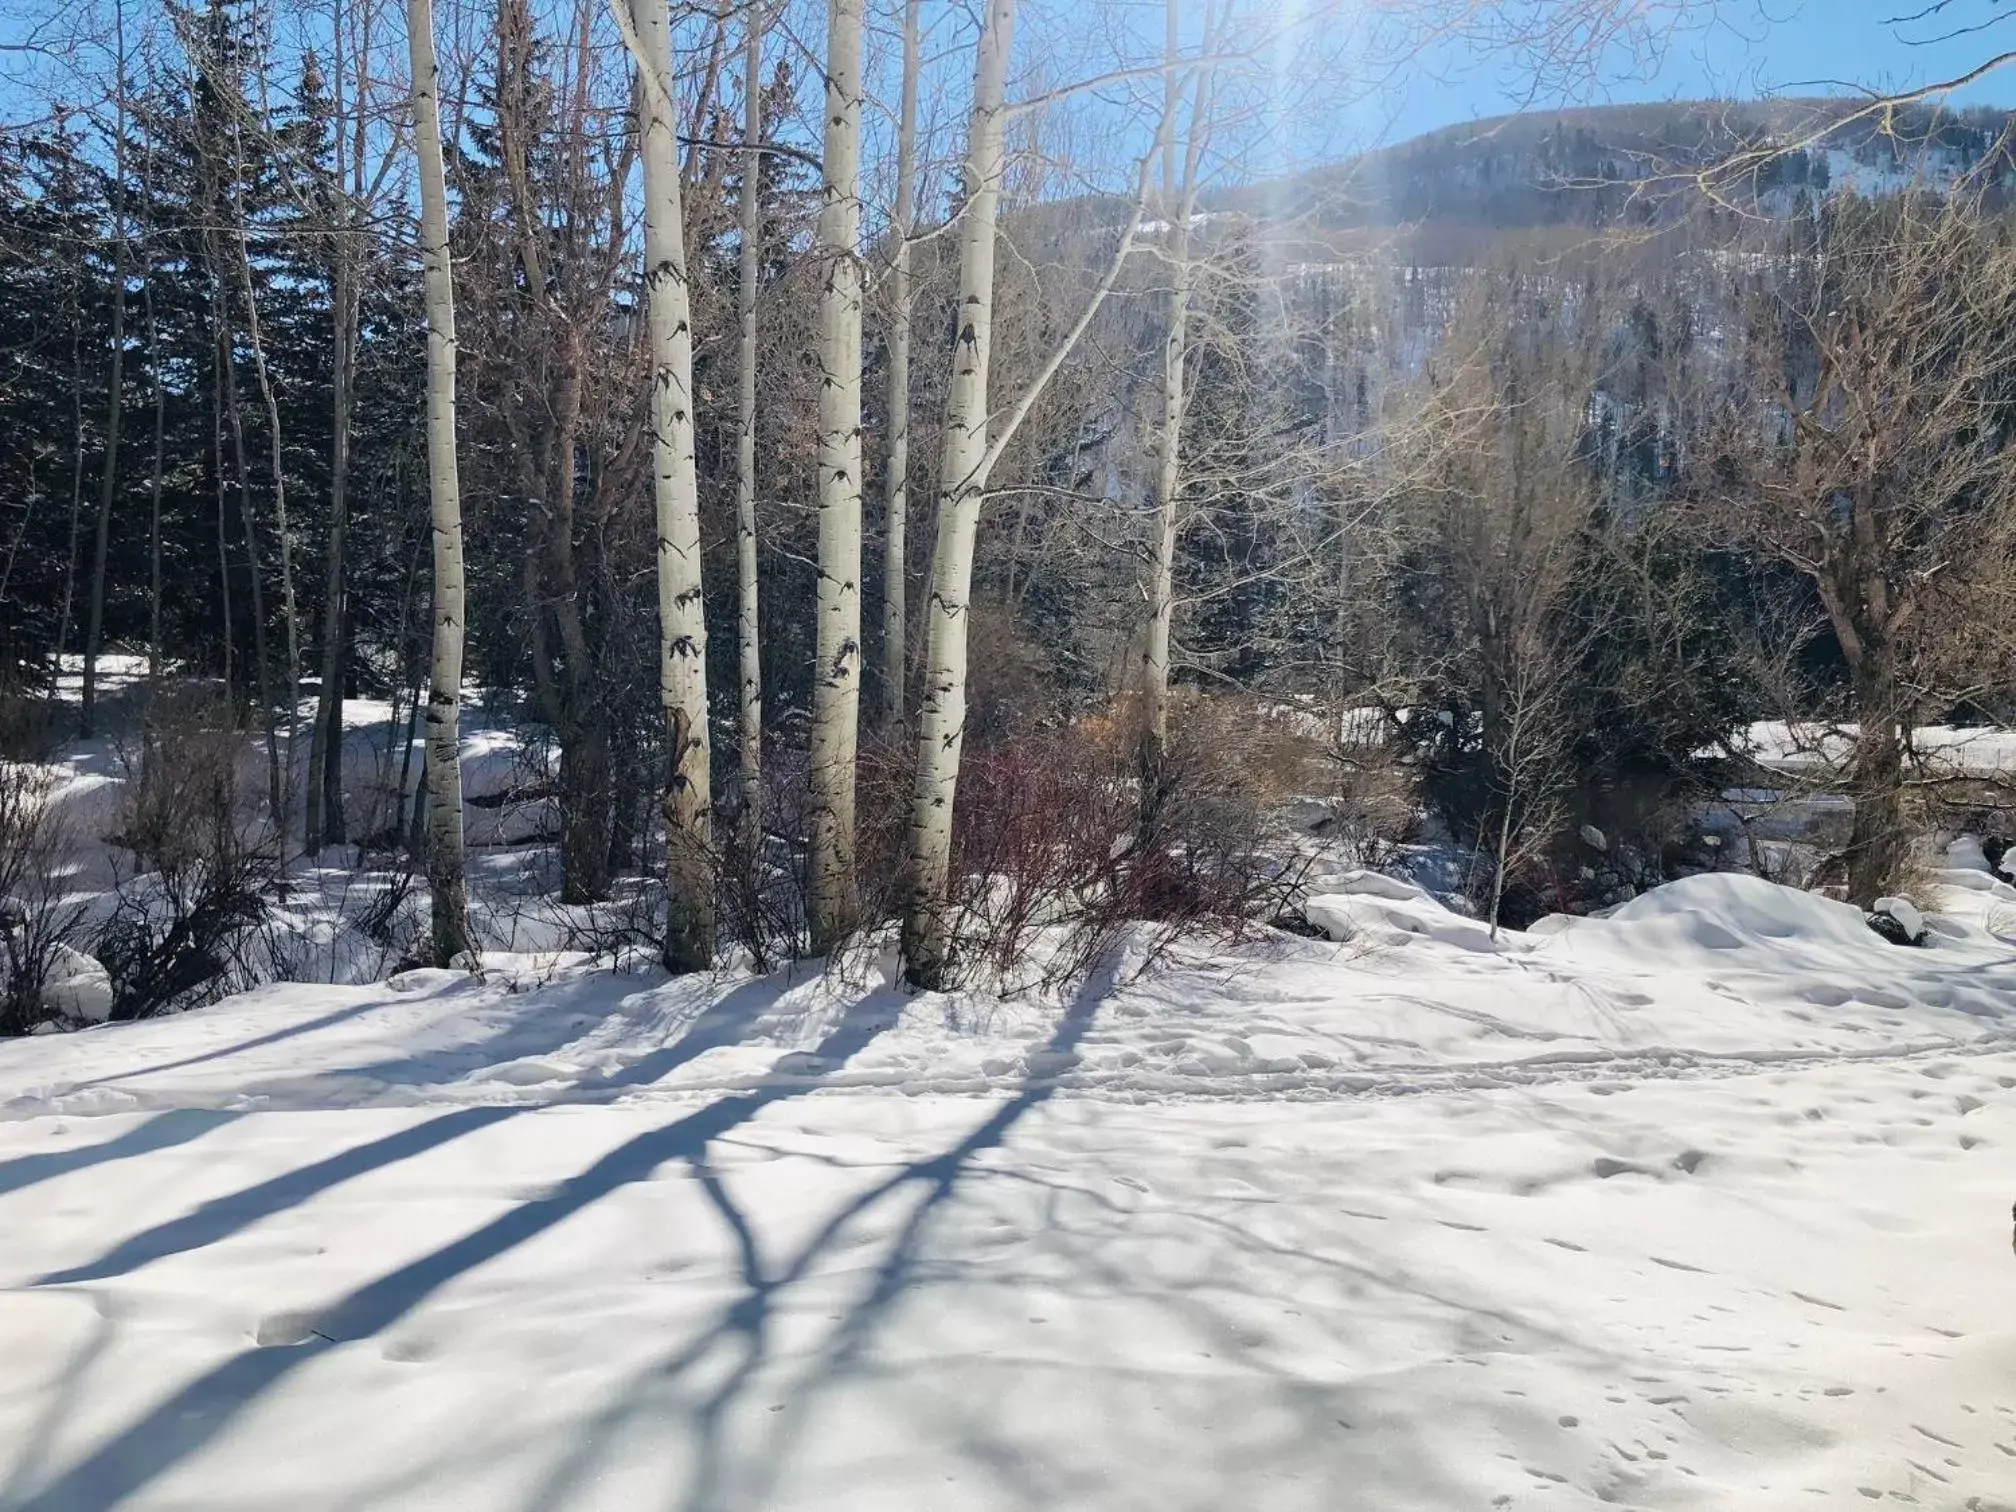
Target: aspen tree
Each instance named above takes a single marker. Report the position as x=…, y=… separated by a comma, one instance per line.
x=682, y=627
x=836, y=680
x=748, y=642
x=446, y=877
x=902, y=299
x=1179, y=201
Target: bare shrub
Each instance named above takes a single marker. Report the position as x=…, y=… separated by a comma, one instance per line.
x=32, y=726
x=1050, y=865
x=626, y=930
x=39, y=922
x=1053, y=868
x=185, y=922
x=762, y=882
x=1373, y=812
x=760, y=878
x=388, y=916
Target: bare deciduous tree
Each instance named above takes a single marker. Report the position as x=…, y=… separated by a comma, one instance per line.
x=902, y=301
x=748, y=623
x=682, y=627
x=446, y=871
x=1867, y=444
x=836, y=675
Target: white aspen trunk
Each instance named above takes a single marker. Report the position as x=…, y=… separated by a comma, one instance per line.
x=108, y=486
x=961, y=482
x=221, y=344
x=289, y=614
x=76, y=321
x=1179, y=199
x=966, y=462
x=836, y=679
x=446, y=877
x=276, y=785
x=896, y=547
x=682, y=627
x=748, y=642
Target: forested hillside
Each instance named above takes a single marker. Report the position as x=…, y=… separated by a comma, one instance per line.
x=1644, y=164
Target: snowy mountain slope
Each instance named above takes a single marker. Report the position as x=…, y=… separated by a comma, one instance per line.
x=1705, y=1205
x=1638, y=163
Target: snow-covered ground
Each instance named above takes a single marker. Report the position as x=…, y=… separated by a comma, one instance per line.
x=1939, y=750
x=506, y=767
x=510, y=819
x=1704, y=1205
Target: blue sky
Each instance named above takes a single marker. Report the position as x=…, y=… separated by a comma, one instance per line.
x=1758, y=46
x=1740, y=48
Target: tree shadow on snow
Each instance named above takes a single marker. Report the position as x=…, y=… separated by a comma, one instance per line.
x=744, y=1325
x=222, y=1217
x=703, y=1385
x=700, y=1393
x=162, y=1131
x=257, y=1042
x=184, y=1423
x=557, y=1024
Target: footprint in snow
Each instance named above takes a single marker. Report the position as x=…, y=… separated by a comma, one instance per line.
x=1042, y=1063
x=1605, y=1167
x=283, y=1330
x=409, y=1349
x=800, y=1063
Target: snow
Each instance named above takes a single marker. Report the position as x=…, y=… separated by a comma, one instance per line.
x=1702, y=1205
x=1940, y=750
x=1370, y=906
x=77, y=986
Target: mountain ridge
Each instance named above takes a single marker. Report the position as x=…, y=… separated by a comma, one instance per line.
x=1640, y=163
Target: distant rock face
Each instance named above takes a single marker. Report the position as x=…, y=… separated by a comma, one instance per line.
x=1898, y=921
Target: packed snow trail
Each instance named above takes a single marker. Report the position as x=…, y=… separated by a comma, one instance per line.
x=1704, y=1206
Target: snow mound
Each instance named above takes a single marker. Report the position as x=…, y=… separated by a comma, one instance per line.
x=1371, y=908
x=1964, y=853
x=1748, y=905
x=77, y=987
x=1725, y=918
